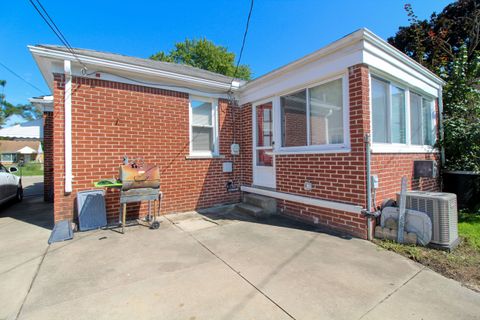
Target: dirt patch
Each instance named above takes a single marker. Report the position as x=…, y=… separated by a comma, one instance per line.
x=461, y=265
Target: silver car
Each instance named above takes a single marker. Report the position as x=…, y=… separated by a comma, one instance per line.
x=10, y=185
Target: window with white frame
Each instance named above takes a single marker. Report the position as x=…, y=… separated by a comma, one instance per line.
x=9, y=157
x=390, y=124
x=203, y=131
x=314, y=116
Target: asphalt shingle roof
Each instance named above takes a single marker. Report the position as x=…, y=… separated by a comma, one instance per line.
x=149, y=63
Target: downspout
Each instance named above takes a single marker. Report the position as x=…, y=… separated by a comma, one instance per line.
x=68, y=125
x=440, y=129
x=369, y=185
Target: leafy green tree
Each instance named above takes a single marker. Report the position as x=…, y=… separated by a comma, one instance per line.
x=449, y=44
x=204, y=54
x=435, y=42
x=27, y=111
x=462, y=113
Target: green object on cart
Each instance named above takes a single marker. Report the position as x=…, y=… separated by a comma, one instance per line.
x=107, y=183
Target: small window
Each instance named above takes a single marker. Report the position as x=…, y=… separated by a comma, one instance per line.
x=9, y=157
x=314, y=116
x=203, y=131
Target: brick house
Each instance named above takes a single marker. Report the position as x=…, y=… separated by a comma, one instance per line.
x=301, y=129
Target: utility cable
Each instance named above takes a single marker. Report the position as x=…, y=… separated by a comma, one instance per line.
x=53, y=26
x=21, y=78
x=243, y=44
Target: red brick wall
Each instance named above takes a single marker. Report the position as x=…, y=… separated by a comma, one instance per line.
x=390, y=168
x=110, y=120
x=347, y=222
x=246, y=142
x=335, y=176
x=48, y=156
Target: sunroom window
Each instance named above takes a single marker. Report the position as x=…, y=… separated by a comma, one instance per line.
x=313, y=116
x=390, y=124
x=421, y=115
x=203, y=120
x=388, y=112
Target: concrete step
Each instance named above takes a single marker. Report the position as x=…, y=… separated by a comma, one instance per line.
x=251, y=210
x=269, y=205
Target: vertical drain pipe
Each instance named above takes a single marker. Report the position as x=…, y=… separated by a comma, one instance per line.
x=369, y=186
x=68, y=126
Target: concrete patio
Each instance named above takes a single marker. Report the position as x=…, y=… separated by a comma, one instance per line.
x=212, y=267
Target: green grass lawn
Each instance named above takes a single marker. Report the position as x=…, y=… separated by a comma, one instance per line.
x=30, y=169
x=469, y=228
x=462, y=264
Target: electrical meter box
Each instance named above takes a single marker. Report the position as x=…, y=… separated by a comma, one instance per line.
x=235, y=149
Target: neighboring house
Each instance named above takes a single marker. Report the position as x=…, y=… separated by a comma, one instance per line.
x=12, y=151
x=22, y=142
x=301, y=128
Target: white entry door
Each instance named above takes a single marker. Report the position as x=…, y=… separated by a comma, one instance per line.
x=263, y=158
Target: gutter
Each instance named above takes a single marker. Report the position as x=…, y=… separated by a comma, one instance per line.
x=54, y=54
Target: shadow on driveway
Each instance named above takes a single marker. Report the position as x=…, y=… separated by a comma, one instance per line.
x=31, y=210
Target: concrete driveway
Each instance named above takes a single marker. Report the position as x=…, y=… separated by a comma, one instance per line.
x=212, y=267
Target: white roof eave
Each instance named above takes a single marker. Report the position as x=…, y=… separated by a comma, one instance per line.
x=46, y=57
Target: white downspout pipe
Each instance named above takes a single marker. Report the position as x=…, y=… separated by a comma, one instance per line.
x=368, y=154
x=441, y=134
x=68, y=126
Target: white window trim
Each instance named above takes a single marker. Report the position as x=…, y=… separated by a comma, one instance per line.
x=408, y=147
x=215, y=133
x=326, y=148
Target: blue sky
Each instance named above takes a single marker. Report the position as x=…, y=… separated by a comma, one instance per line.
x=280, y=31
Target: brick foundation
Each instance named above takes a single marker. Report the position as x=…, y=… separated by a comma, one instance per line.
x=340, y=221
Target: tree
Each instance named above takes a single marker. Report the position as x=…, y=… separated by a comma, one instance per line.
x=462, y=113
x=26, y=111
x=449, y=44
x=435, y=42
x=204, y=54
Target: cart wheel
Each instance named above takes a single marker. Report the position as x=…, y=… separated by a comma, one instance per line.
x=155, y=225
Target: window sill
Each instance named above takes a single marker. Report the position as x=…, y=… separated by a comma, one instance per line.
x=294, y=150
x=402, y=148
x=204, y=157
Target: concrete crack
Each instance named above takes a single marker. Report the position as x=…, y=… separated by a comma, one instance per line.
x=234, y=270
x=31, y=284
x=392, y=293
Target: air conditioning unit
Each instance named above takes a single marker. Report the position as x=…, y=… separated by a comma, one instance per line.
x=441, y=207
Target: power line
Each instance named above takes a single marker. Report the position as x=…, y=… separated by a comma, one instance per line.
x=243, y=43
x=21, y=78
x=53, y=26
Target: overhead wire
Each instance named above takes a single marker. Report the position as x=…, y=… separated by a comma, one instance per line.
x=243, y=44
x=21, y=78
x=56, y=30
x=230, y=93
